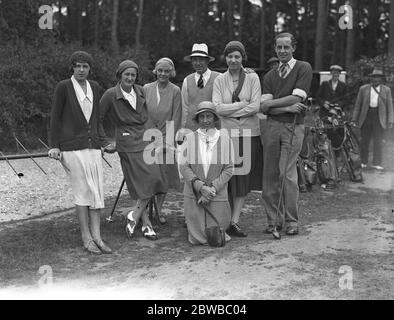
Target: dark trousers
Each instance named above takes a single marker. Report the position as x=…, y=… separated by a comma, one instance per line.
x=372, y=129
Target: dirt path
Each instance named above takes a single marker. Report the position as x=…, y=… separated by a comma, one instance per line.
x=349, y=231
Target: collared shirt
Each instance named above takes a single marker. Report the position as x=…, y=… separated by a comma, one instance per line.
x=85, y=100
x=374, y=97
x=296, y=92
x=334, y=85
x=205, y=77
x=130, y=97
x=206, y=144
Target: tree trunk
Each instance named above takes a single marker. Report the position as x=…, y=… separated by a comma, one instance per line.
x=139, y=26
x=305, y=40
x=230, y=19
x=273, y=22
x=262, y=34
x=81, y=6
x=321, y=32
x=350, y=39
x=391, y=38
x=372, y=29
x=114, y=29
x=241, y=17
x=96, y=23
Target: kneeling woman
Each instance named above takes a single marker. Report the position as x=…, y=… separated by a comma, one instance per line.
x=126, y=109
x=207, y=168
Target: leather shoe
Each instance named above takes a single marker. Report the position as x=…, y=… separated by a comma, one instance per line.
x=131, y=224
x=236, y=231
x=292, y=231
x=91, y=247
x=103, y=247
x=270, y=229
x=161, y=218
x=149, y=233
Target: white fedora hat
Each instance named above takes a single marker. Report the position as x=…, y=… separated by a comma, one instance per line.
x=199, y=50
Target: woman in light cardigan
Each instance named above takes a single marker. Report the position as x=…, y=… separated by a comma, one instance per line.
x=236, y=95
x=207, y=168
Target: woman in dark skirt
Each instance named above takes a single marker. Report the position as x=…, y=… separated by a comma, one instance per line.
x=236, y=95
x=125, y=107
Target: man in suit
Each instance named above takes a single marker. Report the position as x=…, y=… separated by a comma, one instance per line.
x=331, y=92
x=373, y=113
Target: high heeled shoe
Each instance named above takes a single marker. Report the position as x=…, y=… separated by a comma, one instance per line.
x=91, y=247
x=103, y=247
x=131, y=224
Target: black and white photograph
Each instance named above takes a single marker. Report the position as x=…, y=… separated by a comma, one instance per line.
x=197, y=155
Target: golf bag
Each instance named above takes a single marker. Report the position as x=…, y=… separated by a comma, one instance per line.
x=306, y=166
x=327, y=171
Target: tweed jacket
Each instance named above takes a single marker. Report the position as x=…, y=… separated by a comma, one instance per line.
x=385, y=105
x=220, y=171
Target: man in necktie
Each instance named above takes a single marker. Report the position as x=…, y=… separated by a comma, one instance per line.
x=198, y=86
x=373, y=112
x=284, y=90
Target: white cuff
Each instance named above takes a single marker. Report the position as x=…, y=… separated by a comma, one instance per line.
x=299, y=93
x=266, y=97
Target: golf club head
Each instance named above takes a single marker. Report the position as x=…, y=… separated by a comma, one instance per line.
x=276, y=234
x=20, y=174
x=110, y=219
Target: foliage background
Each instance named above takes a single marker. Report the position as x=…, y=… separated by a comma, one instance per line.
x=32, y=60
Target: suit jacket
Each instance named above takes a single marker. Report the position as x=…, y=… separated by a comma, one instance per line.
x=326, y=92
x=130, y=123
x=385, y=105
x=220, y=171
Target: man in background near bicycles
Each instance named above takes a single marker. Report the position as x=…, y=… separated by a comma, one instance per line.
x=373, y=113
x=331, y=92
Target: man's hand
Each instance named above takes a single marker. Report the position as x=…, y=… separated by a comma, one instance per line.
x=265, y=106
x=296, y=108
x=111, y=148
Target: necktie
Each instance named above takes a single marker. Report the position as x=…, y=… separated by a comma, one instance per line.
x=200, y=82
x=283, y=70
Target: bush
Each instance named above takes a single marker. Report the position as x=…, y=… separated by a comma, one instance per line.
x=29, y=74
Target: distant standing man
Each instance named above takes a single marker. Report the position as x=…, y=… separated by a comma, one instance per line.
x=373, y=113
x=332, y=91
x=198, y=86
x=284, y=90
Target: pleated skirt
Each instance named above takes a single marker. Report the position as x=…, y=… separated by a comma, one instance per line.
x=86, y=177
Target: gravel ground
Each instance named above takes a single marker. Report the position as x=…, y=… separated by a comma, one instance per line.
x=37, y=194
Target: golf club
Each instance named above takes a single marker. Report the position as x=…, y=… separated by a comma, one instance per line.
x=110, y=218
x=62, y=164
x=29, y=154
x=18, y=174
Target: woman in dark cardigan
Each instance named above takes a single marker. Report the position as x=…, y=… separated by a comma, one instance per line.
x=74, y=140
x=125, y=107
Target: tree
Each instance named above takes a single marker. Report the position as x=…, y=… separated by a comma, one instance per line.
x=114, y=29
x=350, y=40
x=321, y=32
x=262, y=34
x=139, y=26
x=391, y=32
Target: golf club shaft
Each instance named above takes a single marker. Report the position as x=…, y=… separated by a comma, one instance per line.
x=117, y=199
x=6, y=159
x=17, y=140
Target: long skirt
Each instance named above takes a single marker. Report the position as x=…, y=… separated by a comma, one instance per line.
x=86, y=176
x=195, y=218
x=241, y=184
x=143, y=180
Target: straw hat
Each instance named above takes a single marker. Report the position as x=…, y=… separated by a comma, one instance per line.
x=199, y=50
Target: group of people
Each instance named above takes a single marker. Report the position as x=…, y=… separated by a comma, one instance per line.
x=218, y=132
x=372, y=112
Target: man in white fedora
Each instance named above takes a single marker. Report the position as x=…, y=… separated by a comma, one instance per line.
x=198, y=86
x=373, y=112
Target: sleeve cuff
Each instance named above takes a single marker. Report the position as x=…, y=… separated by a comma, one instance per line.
x=299, y=93
x=266, y=96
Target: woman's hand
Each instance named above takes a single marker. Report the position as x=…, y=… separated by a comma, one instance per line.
x=111, y=148
x=204, y=201
x=207, y=192
x=55, y=153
